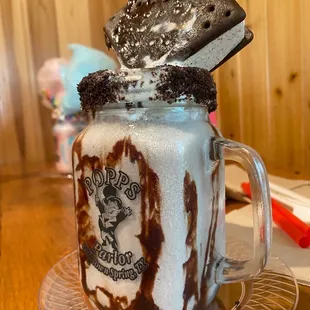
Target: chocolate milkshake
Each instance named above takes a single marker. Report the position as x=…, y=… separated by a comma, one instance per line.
x=154, y=216
x=149, y=171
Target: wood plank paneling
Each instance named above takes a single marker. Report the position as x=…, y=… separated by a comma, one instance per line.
x=32, y=31
x=253, y=79
x=73, y=24
x=264, y=93
x=34, y=149
x=9, y=148
x=284, y=45
x=99, y=13
x=267, y=91
x=305, y=50
x=44, y=41
x=11, y=103
x=229, y=99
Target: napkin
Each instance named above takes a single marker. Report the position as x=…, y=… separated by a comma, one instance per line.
x=240, y=225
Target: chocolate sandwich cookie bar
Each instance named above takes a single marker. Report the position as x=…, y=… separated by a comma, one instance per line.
x=220, y=50
x=190, y=32
x=248, y=38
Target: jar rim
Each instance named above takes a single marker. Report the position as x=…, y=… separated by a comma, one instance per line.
x=170, y=114
x=162, y=86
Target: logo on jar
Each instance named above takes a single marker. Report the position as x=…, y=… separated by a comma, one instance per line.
x=113, y=211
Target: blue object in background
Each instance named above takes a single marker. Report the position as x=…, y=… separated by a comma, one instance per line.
x=85, y=60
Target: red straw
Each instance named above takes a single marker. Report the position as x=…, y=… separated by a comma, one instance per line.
x=291, y=217
x=287, y=221
x=294, y=232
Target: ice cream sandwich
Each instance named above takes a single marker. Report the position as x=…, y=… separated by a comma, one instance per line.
x=198, y=33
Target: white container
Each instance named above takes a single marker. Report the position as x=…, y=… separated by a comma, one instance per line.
x=65, y=133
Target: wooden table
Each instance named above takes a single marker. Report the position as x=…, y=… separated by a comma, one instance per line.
x=37, y=229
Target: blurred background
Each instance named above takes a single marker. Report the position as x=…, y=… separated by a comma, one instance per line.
x=264, y=92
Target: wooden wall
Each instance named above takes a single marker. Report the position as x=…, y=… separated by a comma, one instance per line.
x=264, y=92
x=32, y=31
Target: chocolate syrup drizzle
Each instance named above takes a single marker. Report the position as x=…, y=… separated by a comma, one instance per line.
x=83, y=221
x=84, y=225
x=191, y=266
x=210, y=256
x=151, y=236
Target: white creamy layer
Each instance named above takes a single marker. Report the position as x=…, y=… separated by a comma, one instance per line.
x=210, y=55
x=145, y=88
x=215, y=52
x=169, y=152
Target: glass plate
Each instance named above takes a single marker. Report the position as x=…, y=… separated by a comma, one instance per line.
x=274, y=289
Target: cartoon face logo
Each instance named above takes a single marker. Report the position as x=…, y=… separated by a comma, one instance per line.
x=114, y=207
x=112, y=213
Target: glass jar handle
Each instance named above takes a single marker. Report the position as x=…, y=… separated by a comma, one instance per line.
x=231, y=270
